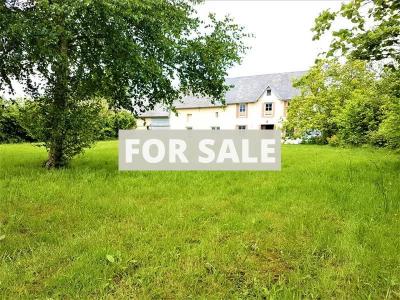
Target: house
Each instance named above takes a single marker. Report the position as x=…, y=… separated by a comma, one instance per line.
x=253, y=102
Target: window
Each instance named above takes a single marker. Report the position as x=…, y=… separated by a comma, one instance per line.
x=267, y=127
x=241, y=127
x=188, y=117
x=216, y=114
x=215, y=128
x=242, y=110
x=268, y=92
x=268, y=109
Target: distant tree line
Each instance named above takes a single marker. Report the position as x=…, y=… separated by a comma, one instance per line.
x=20, y=121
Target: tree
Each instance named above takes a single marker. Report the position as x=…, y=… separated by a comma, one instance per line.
x=373, y=36
x=347, y=103
x=136, y=53
x=374, y=33
x=81, y=125
x=389, y=130
x=336, y=99
x=359, y=118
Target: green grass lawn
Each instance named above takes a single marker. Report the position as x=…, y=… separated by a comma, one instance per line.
x=326, y=226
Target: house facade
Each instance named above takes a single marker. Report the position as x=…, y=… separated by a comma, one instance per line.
x=253, y=102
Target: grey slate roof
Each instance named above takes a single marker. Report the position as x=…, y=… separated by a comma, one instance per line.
x=245, y=90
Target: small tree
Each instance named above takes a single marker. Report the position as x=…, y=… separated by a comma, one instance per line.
x=136, y=53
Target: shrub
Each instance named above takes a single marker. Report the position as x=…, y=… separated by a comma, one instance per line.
x=359, y=118
x=378, y=139
x=11, y=130
x=334, y=141
x=348, y=104
x=112, y=121
x=389, y=129
x=314, y=137
x=25, y=121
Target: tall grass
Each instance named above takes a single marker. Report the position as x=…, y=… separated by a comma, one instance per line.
x=326, y=226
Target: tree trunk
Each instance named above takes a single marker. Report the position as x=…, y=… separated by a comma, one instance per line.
x=57, y=157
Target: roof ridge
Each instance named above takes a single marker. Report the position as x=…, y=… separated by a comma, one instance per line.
x=259, y=75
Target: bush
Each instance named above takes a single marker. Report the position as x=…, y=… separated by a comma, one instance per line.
x=11, y=130
x=334, y=141
x=359, y=118
x=389, y=129
x=114, y=121
x=348, y=104
x=314, y=137
x=378, y=139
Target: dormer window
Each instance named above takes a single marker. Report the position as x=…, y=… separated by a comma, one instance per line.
x=268, y=92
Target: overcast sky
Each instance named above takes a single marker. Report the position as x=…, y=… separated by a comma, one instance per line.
x=282, y=29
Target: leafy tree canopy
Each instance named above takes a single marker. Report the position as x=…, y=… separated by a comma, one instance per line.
x=332, y=95
x=374, y=33
x=126, y=50
x=346, y=104
x=136, y=53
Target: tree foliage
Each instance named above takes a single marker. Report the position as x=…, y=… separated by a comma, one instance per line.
x=337, y=100
x=373, y=33
x=359, y=118
x=389, y=130
x=369, y=113
x=22, y=119
x=347, y=104
x=136, y=53
x=113, y=121
x=81, y=121
x=11, y=129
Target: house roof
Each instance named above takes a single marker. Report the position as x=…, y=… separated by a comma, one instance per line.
x=244, y=90
x=158, y=111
